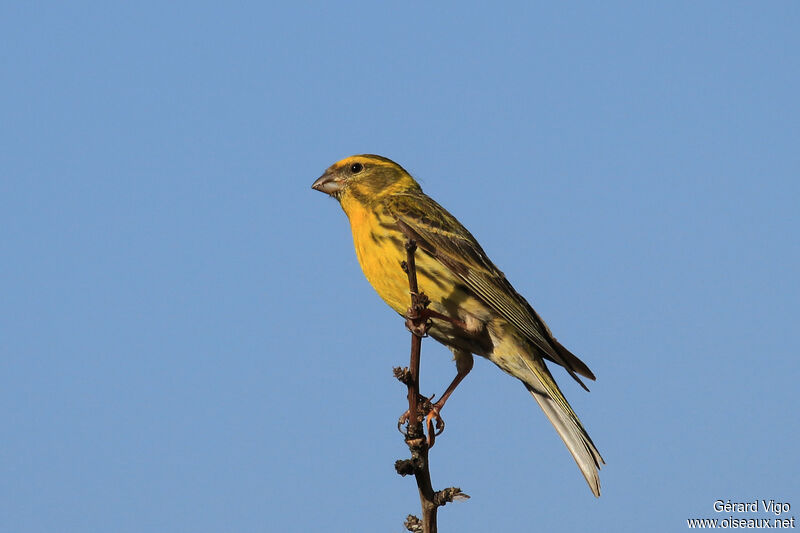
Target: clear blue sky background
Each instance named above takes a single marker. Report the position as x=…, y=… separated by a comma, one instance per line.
x=187, y=343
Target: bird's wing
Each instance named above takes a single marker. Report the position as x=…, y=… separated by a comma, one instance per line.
x=441, y=235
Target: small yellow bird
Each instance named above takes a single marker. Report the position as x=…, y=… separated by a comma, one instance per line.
x=483, y=313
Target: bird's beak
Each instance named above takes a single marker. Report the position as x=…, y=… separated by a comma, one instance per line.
x=328, y=184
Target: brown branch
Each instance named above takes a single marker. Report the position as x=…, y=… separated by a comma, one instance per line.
x=418, y=323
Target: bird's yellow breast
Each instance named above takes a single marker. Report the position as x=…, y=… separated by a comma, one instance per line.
x=380, y=248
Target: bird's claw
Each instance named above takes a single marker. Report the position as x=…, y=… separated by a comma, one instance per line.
x=430, y=412
x=418, y=329
x=434, y=424
x=402, y=420
x=417, y=320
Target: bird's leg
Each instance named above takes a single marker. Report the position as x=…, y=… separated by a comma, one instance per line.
x=430, y=313
x=418, y=321
x=464, y=362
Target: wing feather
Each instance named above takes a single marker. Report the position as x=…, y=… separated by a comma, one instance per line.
x=442, y=236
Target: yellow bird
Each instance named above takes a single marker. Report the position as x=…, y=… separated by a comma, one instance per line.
x=483, y=313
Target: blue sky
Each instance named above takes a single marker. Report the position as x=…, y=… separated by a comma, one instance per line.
x=187, y=342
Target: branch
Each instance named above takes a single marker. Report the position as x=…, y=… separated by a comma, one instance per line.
x=418, y=406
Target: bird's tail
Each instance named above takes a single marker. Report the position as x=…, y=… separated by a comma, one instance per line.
x=545, y=391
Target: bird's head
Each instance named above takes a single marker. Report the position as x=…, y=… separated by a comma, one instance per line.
x=365, y=178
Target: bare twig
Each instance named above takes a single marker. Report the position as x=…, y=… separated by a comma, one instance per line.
x=418, y=323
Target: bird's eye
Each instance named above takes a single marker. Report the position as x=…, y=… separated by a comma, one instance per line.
x=355, y=168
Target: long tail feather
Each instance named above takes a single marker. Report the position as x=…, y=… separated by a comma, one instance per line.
x=545, y=391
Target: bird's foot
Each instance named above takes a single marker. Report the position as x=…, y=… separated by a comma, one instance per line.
x=417, y=320
x=434, y=423
x=424, y=407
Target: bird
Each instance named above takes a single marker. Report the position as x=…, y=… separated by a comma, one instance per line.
x=476, y=310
